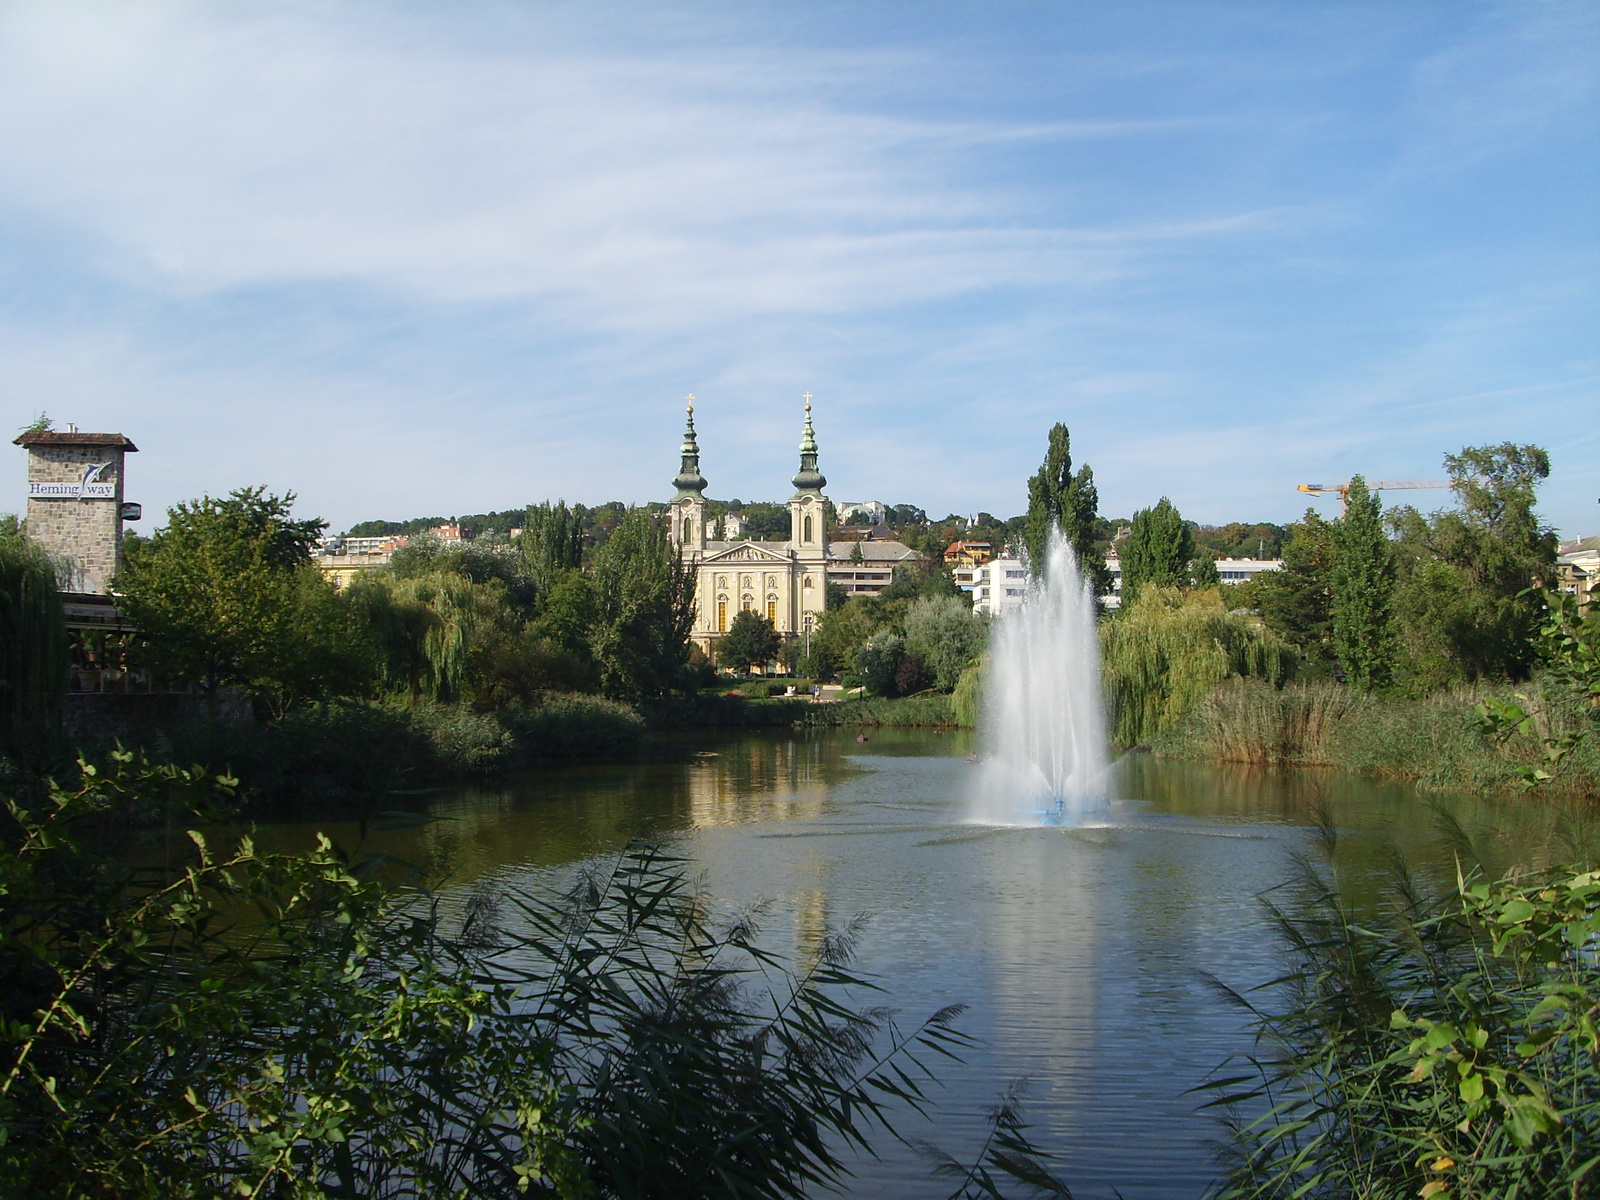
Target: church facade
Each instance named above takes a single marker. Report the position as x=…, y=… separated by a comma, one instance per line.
x=785, y=582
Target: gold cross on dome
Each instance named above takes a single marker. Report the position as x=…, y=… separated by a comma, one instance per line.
x=690, y=399
x=808, y=401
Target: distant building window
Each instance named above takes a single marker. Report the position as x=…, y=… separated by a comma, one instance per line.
x=722, y=616
x=1013, y=591
x=1016, y=574
x=772, y=612
x=806, y=535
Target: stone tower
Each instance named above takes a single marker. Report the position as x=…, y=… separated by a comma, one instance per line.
x=75, y=505
x=689, y=505
x=807, y=528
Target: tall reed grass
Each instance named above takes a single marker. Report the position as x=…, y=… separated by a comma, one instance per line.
x=254, y=1024
x=1438, y=742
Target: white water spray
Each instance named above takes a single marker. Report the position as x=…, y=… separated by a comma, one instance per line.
x=1041, y=721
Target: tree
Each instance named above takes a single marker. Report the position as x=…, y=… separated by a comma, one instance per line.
x=1158, y=552
x=1294, y=600
x=878, y=663
x=1059, y=499
x=551, y=543
x=226, y=594
x=1468, y=594
x=839, y=635
x=750, y=641
x=1361, y=591
x=644, y=609
x=33, y=649
x=946, y=635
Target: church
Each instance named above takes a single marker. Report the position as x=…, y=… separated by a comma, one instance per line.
x=786, y=582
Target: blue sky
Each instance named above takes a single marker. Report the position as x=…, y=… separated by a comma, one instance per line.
x=410, y=259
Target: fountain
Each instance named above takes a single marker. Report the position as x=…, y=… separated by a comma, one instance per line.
x=1041, y=721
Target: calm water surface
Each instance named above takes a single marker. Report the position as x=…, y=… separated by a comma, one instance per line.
x=1082, y=953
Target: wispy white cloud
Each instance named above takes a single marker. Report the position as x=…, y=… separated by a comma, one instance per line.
x=499, y=238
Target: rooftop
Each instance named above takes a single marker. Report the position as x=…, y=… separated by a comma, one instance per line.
x=50, y=437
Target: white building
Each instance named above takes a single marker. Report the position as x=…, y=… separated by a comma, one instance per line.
x=876, y=510
x=1229, y=570
x=997, y=586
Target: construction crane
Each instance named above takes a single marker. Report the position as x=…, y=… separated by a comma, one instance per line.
x=1343, y=489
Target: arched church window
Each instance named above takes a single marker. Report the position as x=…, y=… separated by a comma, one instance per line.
x=748, y=603
x=809, y=581
x=806, y=536
x=772, y=611
x=722, y=614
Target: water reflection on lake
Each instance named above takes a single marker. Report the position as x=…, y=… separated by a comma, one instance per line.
x=1082, y=952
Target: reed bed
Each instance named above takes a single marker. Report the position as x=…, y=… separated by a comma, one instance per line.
x=1437, y=742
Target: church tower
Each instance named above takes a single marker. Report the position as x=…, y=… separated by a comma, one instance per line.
x=807, y=527
x=688, y=510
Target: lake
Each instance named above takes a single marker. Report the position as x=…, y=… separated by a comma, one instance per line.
x=1083, y=953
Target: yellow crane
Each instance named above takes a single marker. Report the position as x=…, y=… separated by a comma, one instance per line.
x=1343, y=489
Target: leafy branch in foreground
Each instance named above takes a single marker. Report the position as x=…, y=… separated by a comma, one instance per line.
x=290, y=1026
x=1570, y=646
x=1446, y=1051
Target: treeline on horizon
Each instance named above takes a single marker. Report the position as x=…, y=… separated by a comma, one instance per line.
x=769, y=521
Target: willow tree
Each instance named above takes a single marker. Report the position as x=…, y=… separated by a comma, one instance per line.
x=1059, y=499
x=33, y=648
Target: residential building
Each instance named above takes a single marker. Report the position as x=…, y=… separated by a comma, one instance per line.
x=784, y=581
x=969, y=553
x=1578, y=569
x=998, y=586
x=877, y=512
x=341, y=569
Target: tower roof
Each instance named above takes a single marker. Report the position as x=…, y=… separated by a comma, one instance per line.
x=808, y=478
x=689, y=481
x=50, y=437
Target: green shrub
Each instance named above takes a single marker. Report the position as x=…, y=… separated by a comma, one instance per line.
x=461, y=741
x=931, y=709
x=573, y=726
x=1445, y=1048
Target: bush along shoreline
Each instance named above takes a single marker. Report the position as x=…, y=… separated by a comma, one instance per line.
x=342, y=753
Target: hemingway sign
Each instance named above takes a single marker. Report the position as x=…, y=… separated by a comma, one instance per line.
x=91, y=485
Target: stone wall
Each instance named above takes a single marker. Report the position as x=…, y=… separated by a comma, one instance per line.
x=85, y=535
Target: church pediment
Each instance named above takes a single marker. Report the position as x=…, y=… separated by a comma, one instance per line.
x=746, y=552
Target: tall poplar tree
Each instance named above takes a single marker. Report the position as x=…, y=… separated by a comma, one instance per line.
x=1361, y=583
x=551, y=544
x=1057, y=497
x=1159, y=550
